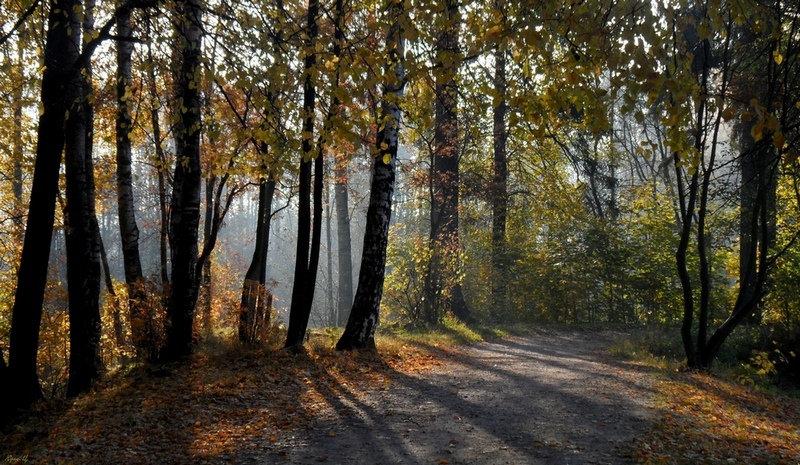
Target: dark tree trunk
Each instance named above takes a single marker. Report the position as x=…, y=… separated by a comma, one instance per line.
x=59, y=60
x=83, y=247
x=126, y=203
x=364, y=317
x=759, y=182
x=443, y=289
x=255, y=307
x=499, y=184
x=306, y=260
x=760, y=164
x=185, y=204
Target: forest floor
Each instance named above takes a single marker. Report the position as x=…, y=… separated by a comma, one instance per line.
x=555, y=396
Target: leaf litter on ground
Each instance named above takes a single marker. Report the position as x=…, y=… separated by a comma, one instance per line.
x=707, y=419
x=205, y=410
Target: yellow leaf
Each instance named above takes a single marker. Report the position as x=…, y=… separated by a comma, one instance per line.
x=703, y=31
x=387, y=159
x=758, y=131
x=493, y=31
x=728, y=114
x=779, y=140
x=777, y=56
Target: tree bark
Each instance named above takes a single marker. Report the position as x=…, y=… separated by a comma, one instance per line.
x=344, y=242
x=161, y=167
x=499, y=183
x=205, y=269
x=253, y=312
x=185, y=210
x=443, y=289
x=16, y=182
x=306, y=260
x=83, y=248
x=22, y=379
x=344, y=298
x=329, y=303
x=119, y=331
x=365, y=314
x=126, y=202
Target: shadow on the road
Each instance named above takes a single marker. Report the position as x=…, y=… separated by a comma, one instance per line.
x=555, y=400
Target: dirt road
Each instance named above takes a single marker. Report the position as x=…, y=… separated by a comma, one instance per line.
x=553, y=398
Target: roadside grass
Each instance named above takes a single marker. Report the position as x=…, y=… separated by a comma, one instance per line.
x=730, y=415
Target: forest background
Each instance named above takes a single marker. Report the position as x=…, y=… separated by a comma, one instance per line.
x=214, y=169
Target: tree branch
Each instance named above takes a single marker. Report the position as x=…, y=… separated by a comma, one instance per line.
x=19, y=22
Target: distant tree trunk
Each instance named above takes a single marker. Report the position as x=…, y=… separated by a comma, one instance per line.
x=340, y=188
x=255, y=307
x=218, y=210
x=119, y=332
x=307, y=256
x=331, y=307
x=163, y=239
x=364, y=317
x=344, y=242
x=499, y=184
x=19, y=148
x=205, y=272
x=185, y=204
x=443, y=289
x=161, y=166
x=126, y=203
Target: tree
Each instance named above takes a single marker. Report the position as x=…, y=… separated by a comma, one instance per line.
x=185, y=203
x=126, y=202
x=443, y=289
x=82, y=235
x=59, y=59
x=364, y=316
x=340, y=186
x=343, y=242
x=711, y=63
x=308, y=234
x=499, y=177
x=256, y=301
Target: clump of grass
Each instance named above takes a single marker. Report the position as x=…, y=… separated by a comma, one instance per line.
x=656, y=347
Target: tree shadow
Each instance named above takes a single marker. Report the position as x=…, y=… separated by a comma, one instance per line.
x=477, y=410
x=489, y=403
